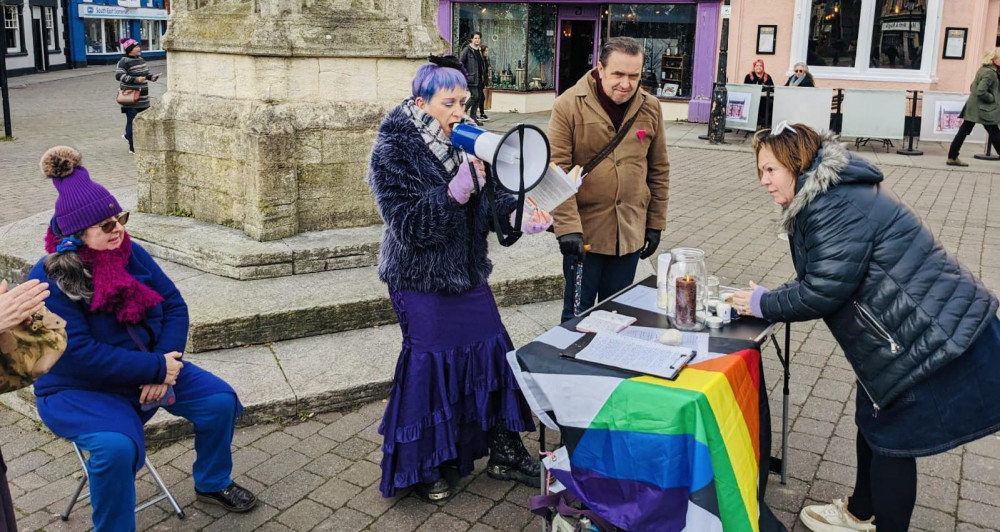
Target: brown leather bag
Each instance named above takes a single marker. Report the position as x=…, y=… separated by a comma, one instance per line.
x=127, y=96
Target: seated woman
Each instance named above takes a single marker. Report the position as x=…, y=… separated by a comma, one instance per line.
x=453, y=396
x=127, y=326
x=801, y=77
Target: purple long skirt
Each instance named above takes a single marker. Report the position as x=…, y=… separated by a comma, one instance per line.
x=452, y=383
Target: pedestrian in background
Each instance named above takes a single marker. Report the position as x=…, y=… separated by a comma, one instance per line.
x=453, y=395
x=133, y=74
x=757, y=75
x=472, y=60
x=487, y=101
x=800, y=77
x=982, y=107
x=918, y=328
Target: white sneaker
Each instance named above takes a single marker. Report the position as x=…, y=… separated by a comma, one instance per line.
x=833, y=518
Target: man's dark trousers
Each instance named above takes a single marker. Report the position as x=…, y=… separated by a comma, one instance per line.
x=603, y=276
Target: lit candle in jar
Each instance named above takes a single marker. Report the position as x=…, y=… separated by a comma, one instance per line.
x=687, y=298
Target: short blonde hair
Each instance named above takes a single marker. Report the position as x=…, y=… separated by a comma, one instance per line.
x=990, y=56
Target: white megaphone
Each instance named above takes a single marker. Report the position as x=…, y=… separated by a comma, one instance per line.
x=516, y=161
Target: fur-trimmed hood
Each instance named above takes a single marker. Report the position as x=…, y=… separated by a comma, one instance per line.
x=833, y=166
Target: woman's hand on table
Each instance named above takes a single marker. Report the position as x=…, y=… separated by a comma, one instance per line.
x=152, y=392
x=745, y=301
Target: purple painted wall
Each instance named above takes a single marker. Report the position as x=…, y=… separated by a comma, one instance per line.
x=444, y=19
x=704, y=62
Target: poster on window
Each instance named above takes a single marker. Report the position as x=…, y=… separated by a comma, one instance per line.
x=941, y=117
x=742, y=106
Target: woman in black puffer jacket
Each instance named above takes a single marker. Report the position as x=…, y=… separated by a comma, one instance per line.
x=919, y=329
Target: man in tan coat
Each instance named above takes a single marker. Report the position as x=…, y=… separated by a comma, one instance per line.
x=621, y=207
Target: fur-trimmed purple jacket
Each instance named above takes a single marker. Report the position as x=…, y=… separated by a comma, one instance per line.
x=430, y=242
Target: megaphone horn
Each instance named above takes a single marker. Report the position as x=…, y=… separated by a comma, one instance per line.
x=520, y=157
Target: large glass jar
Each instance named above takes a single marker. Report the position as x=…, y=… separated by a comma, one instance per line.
x=686, y=289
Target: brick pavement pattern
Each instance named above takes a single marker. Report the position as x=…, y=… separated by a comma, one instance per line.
x=322, y=474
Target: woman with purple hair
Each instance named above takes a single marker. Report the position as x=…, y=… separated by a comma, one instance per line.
x=453, y=398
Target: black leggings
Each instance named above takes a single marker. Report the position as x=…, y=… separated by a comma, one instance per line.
x=885, y=487
x=963, y=131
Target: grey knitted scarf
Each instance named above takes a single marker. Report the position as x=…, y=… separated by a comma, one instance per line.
x=430, y=130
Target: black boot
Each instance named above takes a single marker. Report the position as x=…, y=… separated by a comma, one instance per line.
x=509, y=460
x=436, y=491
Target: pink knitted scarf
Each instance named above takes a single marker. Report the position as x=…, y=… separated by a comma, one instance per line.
x=115, y=290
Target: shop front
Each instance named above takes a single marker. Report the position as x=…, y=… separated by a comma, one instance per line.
x=32, y=37
x=929, y=45
x=96, y=28
x=537, y=50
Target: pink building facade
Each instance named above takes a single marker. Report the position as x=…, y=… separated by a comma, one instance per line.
x=933, y=45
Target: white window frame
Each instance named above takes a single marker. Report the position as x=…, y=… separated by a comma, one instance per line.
x=49, y=26
x=122, y=30
x=861, y=71
x=13, y=24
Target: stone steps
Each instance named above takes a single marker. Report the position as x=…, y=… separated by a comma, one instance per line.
x=227, y=312
x=312, y=375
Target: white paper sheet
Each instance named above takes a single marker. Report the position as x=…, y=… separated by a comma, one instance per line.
x=641, y=297
x=691, y=340
x=636, y=355
x=559, y=337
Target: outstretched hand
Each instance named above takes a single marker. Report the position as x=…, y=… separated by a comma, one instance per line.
x=19, y=303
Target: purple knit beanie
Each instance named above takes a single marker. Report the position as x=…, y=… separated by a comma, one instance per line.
x=81, y=202
x=127, y=44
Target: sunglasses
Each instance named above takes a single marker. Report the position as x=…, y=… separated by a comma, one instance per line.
x=799, y=70
x=110, y=225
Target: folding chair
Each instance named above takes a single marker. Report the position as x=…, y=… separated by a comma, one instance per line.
x=164, y=492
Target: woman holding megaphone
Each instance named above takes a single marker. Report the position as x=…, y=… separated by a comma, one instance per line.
x=453, y=396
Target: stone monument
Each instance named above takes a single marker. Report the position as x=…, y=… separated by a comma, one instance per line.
x=272, y=107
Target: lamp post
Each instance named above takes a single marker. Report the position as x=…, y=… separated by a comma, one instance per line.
x=717, y=118
x=3, y=77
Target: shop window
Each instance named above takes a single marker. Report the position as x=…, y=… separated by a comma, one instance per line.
x=833, y=33
x=897, y=34
x=50, y=27
x=12, y=28
x=878, y=40
x=504, y=30
x=541, y=46
x=667, y=35
x=102, y=35
x=150, y=33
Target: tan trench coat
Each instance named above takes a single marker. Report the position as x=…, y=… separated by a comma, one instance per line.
x=627, y=192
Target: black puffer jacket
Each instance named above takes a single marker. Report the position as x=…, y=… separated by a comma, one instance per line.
x=898, y=304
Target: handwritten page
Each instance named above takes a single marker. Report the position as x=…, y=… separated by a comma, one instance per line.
x=559, y=337
x=641, y=297
x=691, y=340
x=623, y=352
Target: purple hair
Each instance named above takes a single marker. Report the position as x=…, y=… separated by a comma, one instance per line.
x=432, y=78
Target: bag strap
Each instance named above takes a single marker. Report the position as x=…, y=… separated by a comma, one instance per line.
x=622, y=131
x=135, y=338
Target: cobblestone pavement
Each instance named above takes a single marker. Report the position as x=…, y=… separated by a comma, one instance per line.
x=322, y=474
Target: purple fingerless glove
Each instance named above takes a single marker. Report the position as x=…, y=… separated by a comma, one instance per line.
x=755, y=300
x=461, y=188
x=527, y=226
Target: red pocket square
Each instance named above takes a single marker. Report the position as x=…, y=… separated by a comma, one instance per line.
x=641, y=134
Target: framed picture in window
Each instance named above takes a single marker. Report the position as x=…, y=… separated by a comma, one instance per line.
x=954, y=43
x=766, y=36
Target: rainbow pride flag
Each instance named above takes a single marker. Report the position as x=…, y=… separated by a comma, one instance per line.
x=648, y=453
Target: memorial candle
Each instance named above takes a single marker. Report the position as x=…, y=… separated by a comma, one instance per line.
x=687, y=297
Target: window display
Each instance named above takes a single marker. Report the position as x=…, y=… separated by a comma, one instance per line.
x=898, y=33
x=50, y=29
x=521, y=59
x=667, y=34
x=150, y=33
x=833, y=33
x=102, y=35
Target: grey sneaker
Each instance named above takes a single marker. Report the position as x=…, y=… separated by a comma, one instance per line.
x=956, y=162
x=834, y=517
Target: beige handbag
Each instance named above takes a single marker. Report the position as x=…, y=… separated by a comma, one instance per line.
x=127, y=96
x=29, y=350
